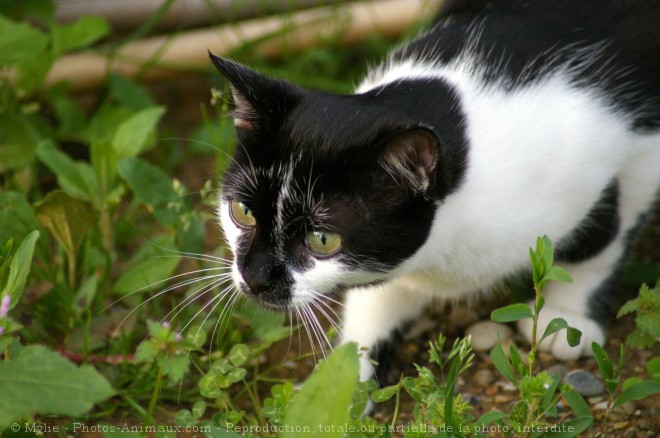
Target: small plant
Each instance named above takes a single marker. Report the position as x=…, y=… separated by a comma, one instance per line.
x=647, y=320
x=633, y=389
x=539, y=392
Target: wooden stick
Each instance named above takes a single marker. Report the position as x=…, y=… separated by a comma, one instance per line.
x=130, y=14
x=158, y=56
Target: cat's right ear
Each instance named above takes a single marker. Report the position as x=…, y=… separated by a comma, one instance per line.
x=257, y=97
x=410, y=158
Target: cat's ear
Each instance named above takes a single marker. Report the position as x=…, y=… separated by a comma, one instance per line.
x=410, y=158
x=257, y=97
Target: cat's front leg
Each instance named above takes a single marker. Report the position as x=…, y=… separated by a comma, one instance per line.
x=374, y=317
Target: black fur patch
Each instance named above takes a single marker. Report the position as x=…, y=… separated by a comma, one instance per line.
x=596, y=231
x=609, y=45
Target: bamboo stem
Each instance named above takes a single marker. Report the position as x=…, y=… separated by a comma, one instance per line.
x=160, y=56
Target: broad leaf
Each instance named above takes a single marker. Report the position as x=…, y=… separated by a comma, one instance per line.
x=81, y=33
x=75, y=178
x=150, y=185
x=502, y=363
x=512, y=312
x=383, y=394
x=148, y=269
x=638, y=391
x=42, y=382
x=19, y=41
x=134, y=134
x=577, y=403
x=67, y=218
x=325, y=398
x=558, y=273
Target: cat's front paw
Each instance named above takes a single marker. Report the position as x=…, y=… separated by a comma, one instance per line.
x=557, y=343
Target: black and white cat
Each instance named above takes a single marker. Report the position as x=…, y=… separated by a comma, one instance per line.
x=508, y=120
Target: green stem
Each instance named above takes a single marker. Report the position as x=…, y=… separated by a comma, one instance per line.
x=154, y=395
x=396, y=404
x=535, y=320
x=255, y=403
x=135, y=405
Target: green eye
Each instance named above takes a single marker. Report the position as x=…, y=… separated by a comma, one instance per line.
x=323, y=243
x=241, y=215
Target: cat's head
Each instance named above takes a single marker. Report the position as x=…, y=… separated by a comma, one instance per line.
x=325, y=191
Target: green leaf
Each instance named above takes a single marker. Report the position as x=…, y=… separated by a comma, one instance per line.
x=174, y=367
x=553, y=327
x=653, y=368
x=133, y=135
x=19, y=42
x=67, y=218
x=573, y=336
x=325, y=398
x=544, y=245
x=81, y=33
x=638, y=391
x=603, y=360
x=153, y=263
x=488, y=418
x=77, y=179
x=502, y=363
x=512, y=312
x=151, y=186
x=236, y=375
x=42, y=382
x=558, y=273
x=239, y=354
x=85, y=295
x=384, y=394
x=198, y=409
x=17, y=217
x=19, y=268
x=195, y=336
x=19, y=136
x=128, y=92
x=577, y=403
x=147, y=351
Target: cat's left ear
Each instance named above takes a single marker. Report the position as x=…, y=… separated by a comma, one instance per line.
x=411, y=158
x=257, y=97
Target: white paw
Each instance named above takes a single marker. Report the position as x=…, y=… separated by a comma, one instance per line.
x=556, y=343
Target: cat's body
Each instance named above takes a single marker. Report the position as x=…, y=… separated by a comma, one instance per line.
x=508, y=120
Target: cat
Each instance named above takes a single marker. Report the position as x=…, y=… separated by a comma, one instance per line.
x=505, y=121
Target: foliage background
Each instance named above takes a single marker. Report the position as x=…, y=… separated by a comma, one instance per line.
x=111, y=257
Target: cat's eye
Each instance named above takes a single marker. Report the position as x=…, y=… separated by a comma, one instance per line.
x=241, y=215
x=323, y=243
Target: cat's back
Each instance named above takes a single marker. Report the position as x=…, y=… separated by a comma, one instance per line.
x=611, y=45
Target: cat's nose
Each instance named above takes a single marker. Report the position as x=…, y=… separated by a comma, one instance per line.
x=258, y=286
x=258, y=272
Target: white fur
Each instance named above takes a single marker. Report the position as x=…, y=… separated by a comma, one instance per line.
x=538, y=159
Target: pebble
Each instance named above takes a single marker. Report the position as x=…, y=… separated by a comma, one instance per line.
x=584, y=383
x=499, y=399
x=620, y=425
x=560, y=369
x=483, y=377
x=485, y=334
x=601, y=406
